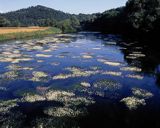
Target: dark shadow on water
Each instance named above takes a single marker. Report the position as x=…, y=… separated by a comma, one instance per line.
x=33, y=110
x=106, y=114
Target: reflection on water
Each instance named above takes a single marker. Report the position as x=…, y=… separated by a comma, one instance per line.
x=78, y=81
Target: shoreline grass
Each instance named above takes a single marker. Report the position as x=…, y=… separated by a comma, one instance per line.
x=30, y=34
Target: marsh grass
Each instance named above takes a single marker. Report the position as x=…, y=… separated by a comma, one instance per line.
x=30, y=34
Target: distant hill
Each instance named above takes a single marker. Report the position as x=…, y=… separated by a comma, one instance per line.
x=37, y=15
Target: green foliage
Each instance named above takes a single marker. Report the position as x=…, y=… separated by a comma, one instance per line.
x=4, y=22
x=109, y=21
x=43, y=16
x=15, y=23
x=143, y=14
x=138, y=17
x=69, y=25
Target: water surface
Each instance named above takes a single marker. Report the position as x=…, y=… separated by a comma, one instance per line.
x=79, y=80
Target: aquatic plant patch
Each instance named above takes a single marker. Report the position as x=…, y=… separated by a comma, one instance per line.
x=132, y=102
x=39, y=76
x=107, y=84
x=142, y=93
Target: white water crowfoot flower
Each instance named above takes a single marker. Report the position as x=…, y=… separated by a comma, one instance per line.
x=132, y=102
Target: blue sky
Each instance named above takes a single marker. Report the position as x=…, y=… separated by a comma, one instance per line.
x=71, y=6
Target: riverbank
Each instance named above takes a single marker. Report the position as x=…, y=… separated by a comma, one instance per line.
x=26, y=32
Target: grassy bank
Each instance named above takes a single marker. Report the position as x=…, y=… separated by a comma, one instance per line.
x=20, y=33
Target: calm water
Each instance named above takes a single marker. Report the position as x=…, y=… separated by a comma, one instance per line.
x=80, y=80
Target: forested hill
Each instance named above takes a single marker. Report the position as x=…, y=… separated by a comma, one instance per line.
x=40, y=16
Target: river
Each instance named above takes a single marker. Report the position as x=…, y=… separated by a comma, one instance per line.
x=79, y=80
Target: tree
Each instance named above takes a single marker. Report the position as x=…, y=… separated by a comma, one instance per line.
x=4, y=22
x=15, y=23
x=143, y=14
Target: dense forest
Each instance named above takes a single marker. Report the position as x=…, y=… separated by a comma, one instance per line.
x=43, y=16
x=138, y=17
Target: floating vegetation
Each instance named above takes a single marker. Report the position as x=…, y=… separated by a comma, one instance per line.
x=11, y=75
x=14, y=59
x=85, y=84
x=112, y=63
x=60, y=56
x=75, y=72
x=47, y=50
x=62, y=76
x=134, y=69
x=67, y=98
x=40, y=61
x=142, y=93
x=58, y=95
x=70, y=103
x=17, y=67
x=131, y=57
x=78, y=72
x=137, y=55
x=87, y=57
x=132, y=102
x=109, y=62
x=32, y=98
x=21, y=60
x=27, y=68
x=39, y=76
x=112, y=73
x=65, y=112
x=43, y=55
x=5, y=106
x=37, y=48
x=55, y=63
x=107, y=85
x=101, y=60
x=96, y=48
x=14, y=67
x=139, y=77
